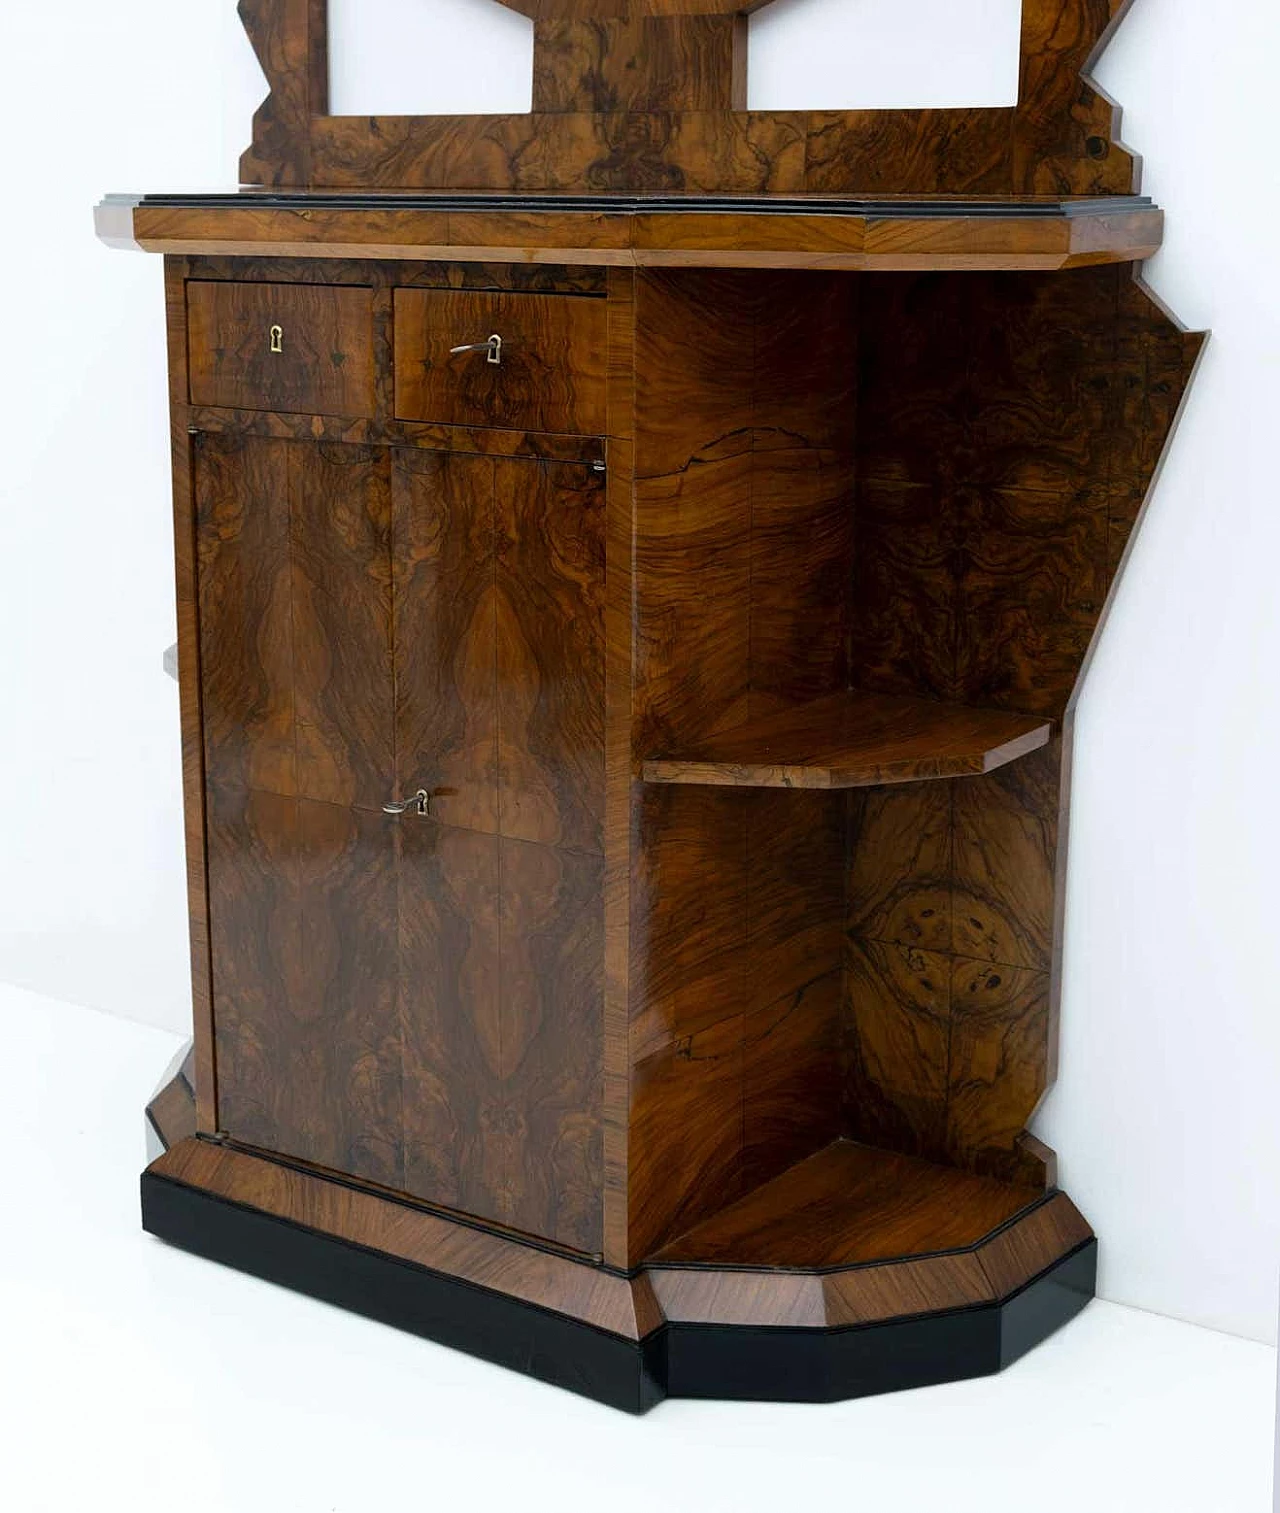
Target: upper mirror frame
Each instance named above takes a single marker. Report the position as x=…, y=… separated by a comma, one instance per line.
x=650, y=95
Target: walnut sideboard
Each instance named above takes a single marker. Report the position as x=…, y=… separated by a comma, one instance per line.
x=631, y=597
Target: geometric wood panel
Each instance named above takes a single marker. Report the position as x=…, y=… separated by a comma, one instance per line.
x=652, y=97
x=1010, y=426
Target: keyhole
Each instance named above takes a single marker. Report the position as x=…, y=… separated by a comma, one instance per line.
x=277, y=338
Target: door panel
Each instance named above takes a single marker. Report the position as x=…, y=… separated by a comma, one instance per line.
x=445, y=634
x=414, y=1002
x=450, y=1008
x=246, y=634
x=340, y=550
x=500, y=715
x=295, y=617
x=550, y=600
x=302, y=904
x=501, y=959
x=552, y=967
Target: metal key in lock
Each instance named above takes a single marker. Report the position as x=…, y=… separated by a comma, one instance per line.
x=420, y=804
x=493, y=347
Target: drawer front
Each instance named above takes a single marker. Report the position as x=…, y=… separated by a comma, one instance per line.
x=306, y=349
x=551, y=373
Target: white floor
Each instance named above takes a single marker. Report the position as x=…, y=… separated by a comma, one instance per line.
x=135, y=1377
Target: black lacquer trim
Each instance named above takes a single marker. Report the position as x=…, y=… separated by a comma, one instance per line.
x=861, y=1360
x=563, y=1351
x=631, y=204
x=678, y=1360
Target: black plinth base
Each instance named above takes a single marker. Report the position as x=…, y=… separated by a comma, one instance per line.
x=680, y=1360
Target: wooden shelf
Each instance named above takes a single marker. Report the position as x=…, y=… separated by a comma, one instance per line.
x=850, y=1205
x=893, y=233
x=856, y=740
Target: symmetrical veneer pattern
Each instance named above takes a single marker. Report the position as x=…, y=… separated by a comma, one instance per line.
x=645, y=973
x=376, y=620
x=653, y=97
x=628, y=645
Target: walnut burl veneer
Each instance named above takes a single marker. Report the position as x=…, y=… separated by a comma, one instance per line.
x=635, y=568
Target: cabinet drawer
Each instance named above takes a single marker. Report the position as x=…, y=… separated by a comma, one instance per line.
x=302, y=348
x=551, y=373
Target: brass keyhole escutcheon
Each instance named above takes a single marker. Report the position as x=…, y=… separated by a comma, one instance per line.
x=277, y=338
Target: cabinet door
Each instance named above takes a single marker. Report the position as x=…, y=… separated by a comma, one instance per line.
x=294, y=563
x=499, y=655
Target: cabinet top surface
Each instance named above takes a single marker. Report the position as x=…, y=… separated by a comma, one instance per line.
x=816, y=231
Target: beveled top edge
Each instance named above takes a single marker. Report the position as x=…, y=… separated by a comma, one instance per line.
x=905, y=207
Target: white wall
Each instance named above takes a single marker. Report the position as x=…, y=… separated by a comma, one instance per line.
x=1166, y=1116
x=133, y=94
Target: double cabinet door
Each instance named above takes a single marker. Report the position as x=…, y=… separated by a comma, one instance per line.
x=413, y=1001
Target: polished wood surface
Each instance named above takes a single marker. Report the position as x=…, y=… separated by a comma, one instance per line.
x=499, y=716
x=625, y=784
x=190, y=681
x=850, y=1205
x=552, y=369
x=873, y=1292
x=893, y=235
x=484, y=576
x=1007, y=424
x=172, y=1112
x=744, y=427
x=324, y=364
x=612, y=1008
x=653, y=97
x=994, y=1267
x=855, y=740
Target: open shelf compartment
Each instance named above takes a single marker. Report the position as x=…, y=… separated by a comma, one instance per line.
x=851, y=1205
x=856, y=740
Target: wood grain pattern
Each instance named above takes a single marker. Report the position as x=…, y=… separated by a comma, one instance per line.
x=1009, y=436
x=446, y=644
x=380, y=1222
x=295, y=569
x=550, y=649
x=893, y=236
x=638, y=62
x=172, y=1112
x=633, y=1307
x=325, y=366
x=795, y=983
x=744, y=432
x=855, y=741
x=848, y=1205
x=649, y=97
x=537, y=446
x=619, y=621
x=605, y=1013
x=499, y=676
x=190, y=693
x=551, y=377
x=303, y=910
x=991, y=405
x=1066, y=130
x=291, y=40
